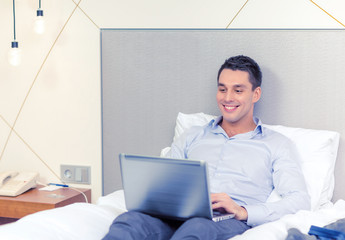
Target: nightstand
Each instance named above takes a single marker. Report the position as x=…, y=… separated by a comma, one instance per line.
x=35, y=200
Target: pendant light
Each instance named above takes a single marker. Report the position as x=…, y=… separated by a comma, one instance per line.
x=14, y=54
x=39, y=22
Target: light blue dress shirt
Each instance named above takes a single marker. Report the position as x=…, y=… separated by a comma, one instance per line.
x=248, y=167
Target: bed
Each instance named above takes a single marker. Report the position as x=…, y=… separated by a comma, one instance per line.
x=91, y=221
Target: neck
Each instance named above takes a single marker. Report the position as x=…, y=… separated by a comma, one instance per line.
x=233, y=129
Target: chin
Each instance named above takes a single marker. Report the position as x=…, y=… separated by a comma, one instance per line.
x=229, y=120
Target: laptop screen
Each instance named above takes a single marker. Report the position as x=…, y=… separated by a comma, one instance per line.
x=165, y=187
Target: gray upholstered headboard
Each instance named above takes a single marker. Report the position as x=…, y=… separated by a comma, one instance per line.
x=149, y=75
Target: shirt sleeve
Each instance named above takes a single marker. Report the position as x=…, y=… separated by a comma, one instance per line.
x=179, y=148
x=288, y=181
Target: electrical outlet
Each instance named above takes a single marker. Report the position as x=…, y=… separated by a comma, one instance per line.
x=76, y=174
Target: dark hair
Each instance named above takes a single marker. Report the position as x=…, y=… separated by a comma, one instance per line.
x=246, y=64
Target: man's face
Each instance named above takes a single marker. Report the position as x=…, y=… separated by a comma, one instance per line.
x=236, y=98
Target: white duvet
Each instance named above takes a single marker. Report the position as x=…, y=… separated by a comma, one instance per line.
x=91, y=222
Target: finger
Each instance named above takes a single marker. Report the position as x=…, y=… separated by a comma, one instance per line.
x=218, y=205
x=215, y=205
x=218, y=196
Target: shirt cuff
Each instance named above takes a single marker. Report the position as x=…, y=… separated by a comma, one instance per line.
x=255, y=213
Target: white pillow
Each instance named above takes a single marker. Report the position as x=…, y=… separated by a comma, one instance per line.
x=317, y=148
x=185, y=121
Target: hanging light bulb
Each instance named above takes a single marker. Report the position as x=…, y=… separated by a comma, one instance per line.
x=39, y=22
x=14, y=55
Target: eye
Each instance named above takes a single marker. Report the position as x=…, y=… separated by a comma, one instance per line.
x=221, y=89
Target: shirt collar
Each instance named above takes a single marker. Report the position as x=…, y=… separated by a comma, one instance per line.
x=215, y=122
x=259, y=128
x=214, y=125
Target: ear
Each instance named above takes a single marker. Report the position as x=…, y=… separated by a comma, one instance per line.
x=257, y=94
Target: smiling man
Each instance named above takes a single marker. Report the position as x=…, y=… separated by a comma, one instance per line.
x=236, y=97
x=246, y=162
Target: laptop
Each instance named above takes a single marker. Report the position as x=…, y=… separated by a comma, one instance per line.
x=167, y=188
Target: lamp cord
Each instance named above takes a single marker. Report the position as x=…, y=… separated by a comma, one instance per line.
x=14, y=20
x=39, y=4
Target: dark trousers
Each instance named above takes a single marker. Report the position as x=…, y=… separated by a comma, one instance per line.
x=135, y=225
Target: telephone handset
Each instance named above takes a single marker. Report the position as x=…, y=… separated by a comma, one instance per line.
x=15, y=183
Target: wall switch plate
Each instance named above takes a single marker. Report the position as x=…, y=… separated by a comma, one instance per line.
x=76, y=174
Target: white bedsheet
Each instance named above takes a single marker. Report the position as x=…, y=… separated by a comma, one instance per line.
x=76, y=221
x=302, y=220
x=92, y=221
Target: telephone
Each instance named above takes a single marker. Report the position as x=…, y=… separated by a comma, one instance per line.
x=15, y=183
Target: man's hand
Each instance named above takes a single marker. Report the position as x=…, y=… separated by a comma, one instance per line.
x=223, y=203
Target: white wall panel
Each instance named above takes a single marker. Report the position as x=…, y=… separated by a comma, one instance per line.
x=283, y=14
x=162, y=14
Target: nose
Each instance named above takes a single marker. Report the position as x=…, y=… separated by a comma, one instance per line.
x=229, y=96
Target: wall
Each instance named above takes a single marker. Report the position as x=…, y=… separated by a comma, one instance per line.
x=50, y=109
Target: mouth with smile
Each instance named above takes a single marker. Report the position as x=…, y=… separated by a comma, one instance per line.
x=230, y=108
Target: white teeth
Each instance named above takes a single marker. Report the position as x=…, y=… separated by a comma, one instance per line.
x=229, y=108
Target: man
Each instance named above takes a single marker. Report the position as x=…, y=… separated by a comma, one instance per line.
x=246, y=162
